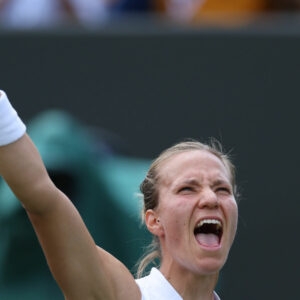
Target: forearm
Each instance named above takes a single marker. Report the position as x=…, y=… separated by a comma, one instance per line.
x=23, y=170
x=20, y=163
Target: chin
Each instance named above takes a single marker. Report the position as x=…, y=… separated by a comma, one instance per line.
x=210, y=266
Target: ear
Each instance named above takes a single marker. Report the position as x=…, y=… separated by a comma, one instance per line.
x=153, y=223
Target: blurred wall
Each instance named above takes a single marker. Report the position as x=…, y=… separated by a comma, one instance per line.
x=154, y=86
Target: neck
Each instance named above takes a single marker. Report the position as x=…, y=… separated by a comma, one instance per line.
x=189, y=285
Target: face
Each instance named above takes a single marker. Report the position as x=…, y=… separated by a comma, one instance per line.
x=196, y=218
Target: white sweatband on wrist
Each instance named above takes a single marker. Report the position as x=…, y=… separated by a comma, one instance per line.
x=11, y=126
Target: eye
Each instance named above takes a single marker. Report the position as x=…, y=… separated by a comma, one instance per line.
x=224, y=190
x=186, y=189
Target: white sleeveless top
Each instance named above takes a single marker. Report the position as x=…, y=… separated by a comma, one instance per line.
x=156, y=287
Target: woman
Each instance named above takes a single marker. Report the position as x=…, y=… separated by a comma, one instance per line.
x=190, y=208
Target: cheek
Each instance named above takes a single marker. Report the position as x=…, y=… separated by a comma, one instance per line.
x=175, y=218
x=235, y=212
x=233, y=216
x=175, y=207
x=174, y=211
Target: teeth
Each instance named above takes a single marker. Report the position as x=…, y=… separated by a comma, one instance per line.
x=209, y=221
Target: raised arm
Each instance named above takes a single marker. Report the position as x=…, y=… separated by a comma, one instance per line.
x=82, y=270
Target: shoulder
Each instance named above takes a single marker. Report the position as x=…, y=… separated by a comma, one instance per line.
x=118, y=278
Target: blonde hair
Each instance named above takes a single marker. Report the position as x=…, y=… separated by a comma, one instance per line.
x=149, y=187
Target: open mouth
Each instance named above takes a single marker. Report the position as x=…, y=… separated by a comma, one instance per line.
x=208, y=232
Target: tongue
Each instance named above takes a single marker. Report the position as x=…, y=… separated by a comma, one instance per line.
x=207, y=239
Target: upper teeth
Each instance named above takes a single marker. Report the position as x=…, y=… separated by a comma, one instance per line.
x=209, y=221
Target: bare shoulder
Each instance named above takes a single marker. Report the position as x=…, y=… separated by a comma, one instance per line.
x=123, y=282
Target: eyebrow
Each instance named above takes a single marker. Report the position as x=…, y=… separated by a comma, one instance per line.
x=220, y=182
x=191, y=181
x=195, y=182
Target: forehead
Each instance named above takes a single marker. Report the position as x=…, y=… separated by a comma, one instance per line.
x=193, y=164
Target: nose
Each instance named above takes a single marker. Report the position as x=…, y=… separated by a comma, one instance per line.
x=208, y=199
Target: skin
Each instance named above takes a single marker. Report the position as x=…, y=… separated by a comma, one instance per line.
x=81, y=269
x=85, y=271
x=193, y=185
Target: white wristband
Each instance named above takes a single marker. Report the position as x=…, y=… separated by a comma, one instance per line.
x=11, y=126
